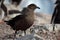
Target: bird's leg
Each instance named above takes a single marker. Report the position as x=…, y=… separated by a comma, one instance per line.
x=20, y=33
x=24, y=32
x=31, y=30
x=53, y=27
x=15, y=34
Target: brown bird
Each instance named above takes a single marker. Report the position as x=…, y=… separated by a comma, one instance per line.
x=24, y=21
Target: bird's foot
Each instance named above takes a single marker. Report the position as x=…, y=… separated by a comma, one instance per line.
x=20, y=35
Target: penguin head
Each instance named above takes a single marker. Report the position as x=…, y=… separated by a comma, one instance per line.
x=16, y=2
x=58, y=1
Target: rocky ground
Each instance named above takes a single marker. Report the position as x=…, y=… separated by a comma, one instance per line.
x=36, y=32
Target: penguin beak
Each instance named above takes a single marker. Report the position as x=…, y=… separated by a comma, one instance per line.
x=38, y=7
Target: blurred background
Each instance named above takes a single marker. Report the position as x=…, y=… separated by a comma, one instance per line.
x=47, y=6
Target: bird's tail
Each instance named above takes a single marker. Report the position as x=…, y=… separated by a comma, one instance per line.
x=10, y=22
x=7, y=22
